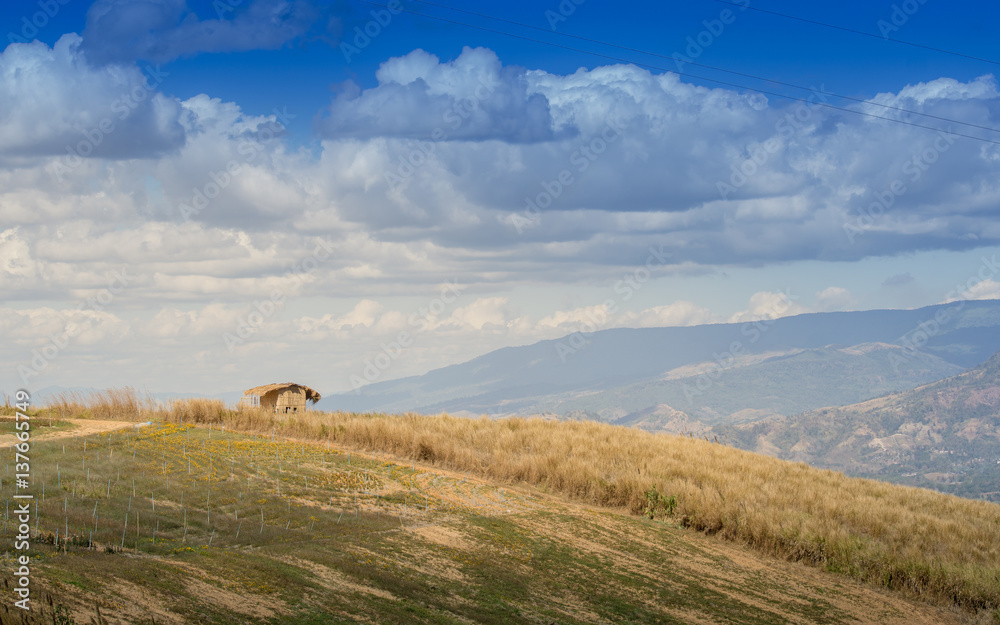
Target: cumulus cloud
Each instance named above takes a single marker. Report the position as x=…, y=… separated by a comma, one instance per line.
x=54, y=103
x=835, y=298
x=122, y=31
x=769, y=305
x=936, y=91
x=42, y=340
x=588, y=318
x=483, y=313
x=16, y=265
x=366, y=314
x=715, y=175
x=473, y=98
x=681, y=313
x=172, y=323
x=631, y=163
x=985, y=289
x=598, y=317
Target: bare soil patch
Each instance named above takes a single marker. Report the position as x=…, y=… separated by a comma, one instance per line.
x=82, y=427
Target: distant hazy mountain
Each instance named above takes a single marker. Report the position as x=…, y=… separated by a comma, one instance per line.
x=943, y=435
x=713, y=374
x=761, y=385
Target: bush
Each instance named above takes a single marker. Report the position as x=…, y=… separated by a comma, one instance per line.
x=658, y=505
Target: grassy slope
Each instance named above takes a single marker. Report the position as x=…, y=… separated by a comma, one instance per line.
x=354, y=538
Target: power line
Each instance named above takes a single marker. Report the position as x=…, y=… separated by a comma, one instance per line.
x=665, y=69
x=713, y=67
x=859, y=32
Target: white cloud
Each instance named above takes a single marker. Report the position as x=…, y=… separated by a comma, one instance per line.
x=482, y=313
x=653, y=150
x=366, y=314
x=472, y=98
x=985, y=289
x=676, y=314
x=79, y=327
x=171, y=323
x=17, y=269
x=55, y=103
x=949, y=89
x=769, y=305
x=835, y=298
x=589, y=318
x=585, y=318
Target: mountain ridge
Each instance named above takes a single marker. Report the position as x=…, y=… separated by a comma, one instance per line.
x=943, y=435
x=512, y=379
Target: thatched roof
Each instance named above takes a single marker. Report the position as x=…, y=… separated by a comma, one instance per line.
x=260, y=391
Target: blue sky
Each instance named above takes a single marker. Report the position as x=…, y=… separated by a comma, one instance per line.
x=562, y=190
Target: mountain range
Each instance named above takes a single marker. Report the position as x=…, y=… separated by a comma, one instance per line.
x=716, y=373
x=942, y=435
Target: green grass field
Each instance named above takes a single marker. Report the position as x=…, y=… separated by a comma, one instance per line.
x=183, y=524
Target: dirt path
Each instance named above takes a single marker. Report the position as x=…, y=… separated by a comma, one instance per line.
x=83, y=427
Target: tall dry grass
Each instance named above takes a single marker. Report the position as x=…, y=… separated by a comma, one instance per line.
x=198, y=410
x=119, y=404
x=127, y=404
x=7, y=409
x=928, y=543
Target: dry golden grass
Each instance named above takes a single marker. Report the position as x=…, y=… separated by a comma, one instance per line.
x=933, y=545
x=113, y=404
x=198, y=410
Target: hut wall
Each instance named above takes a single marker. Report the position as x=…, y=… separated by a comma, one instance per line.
x=291, y=400
x=268, y=401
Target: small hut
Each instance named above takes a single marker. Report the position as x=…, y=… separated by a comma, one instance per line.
x=287, y=397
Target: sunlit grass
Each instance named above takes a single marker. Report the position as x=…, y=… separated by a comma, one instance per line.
x=916, y=540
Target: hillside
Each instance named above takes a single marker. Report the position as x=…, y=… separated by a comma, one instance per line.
x=487, y=520
x=943, y=435
x=335, y=537
x=731, y=367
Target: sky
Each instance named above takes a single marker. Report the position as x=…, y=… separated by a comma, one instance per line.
x=202, y=197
